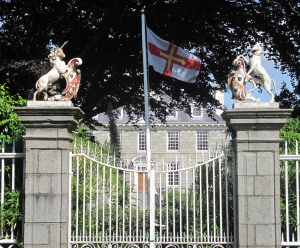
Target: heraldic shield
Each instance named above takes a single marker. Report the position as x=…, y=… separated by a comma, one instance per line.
x=73, y=78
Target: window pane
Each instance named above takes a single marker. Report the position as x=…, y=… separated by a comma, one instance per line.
x=173, y=177
x=197, y=112
x=119, y=113
x=142, y=141
x=120, y=139
x=173, y=141
x=171, y=112
x=202, y=141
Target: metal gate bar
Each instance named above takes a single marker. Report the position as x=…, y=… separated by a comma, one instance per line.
x=190, y=198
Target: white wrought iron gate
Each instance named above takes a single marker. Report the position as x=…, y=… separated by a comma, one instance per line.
x=109, y=200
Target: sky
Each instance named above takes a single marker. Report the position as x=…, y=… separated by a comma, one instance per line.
x=275, y=74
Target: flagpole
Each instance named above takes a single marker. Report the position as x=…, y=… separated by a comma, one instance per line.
x=150, y=171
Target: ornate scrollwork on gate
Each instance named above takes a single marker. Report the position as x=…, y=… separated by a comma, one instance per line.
x=222, y=246
x=112, y=202
x=136, y=246
x=173, y=246
x=83, y=246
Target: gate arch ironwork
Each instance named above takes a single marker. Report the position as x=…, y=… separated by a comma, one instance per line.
x=192, y=200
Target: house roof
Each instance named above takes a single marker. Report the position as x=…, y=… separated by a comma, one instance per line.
x=182, y=118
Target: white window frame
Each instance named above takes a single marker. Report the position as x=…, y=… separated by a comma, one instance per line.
x=120, y=139
x=173, y=177
x=172, y=110
x=194, y=113
x=202, y=141
x=173, y=143
x=142, y=144
x=119, y=113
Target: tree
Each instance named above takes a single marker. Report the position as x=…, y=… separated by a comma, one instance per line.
x=113, y=131
x=290, y=135
x=289, y=100
x=10, y=127
x=107, y=36
x=91, y=181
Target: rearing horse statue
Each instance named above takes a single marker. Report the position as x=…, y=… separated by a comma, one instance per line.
x=257, y=75
x=237, y=82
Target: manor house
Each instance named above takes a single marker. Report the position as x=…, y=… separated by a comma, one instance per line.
x=188, y=137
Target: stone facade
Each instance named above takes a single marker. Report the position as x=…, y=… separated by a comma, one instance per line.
x=163, y=158
x=257, y=172
x=48, y=142
x=183, y=124
x=129, y=138
x=187, y=122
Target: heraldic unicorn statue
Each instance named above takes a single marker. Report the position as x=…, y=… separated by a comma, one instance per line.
x=47, y=83
x=257, y=75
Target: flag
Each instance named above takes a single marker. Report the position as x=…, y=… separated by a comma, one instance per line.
x=171, y=60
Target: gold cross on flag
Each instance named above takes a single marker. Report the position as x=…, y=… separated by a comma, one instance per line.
x=171, y=60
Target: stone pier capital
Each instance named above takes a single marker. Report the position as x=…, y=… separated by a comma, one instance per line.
x=256, y=172
x=48, y=141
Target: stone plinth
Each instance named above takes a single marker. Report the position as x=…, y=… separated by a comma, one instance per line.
x=48, y=142
x=256, y=129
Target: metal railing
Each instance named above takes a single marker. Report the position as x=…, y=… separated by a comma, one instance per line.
x=11, y=185
x=109, y=202
x=174, y=176
x=290, y=195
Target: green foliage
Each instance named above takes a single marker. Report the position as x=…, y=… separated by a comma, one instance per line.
x=81, y=131
x=108, y=190
x=110, y=45
x=112, y=127
x=289, y=134
x=10, y=212
x=289, y=99
x=88, y=188
x=10, y=126
x=196, y=206
x=105, y=194
x=11, y=209
x=10, y=129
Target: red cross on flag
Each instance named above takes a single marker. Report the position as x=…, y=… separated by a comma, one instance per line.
x=172, y=60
